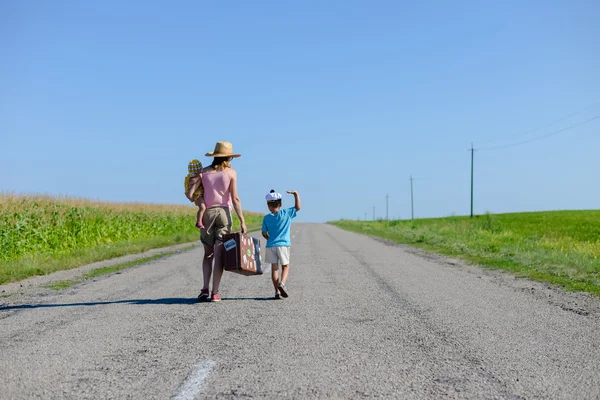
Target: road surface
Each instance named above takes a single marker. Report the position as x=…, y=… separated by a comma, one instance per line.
x=364, y=319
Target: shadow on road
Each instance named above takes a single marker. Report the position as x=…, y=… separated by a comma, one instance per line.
x=165, y=301
x=247, y=298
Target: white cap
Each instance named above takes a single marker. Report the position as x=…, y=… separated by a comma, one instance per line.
x=273, y=196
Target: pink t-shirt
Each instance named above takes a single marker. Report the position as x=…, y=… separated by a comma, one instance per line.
x=216, y=189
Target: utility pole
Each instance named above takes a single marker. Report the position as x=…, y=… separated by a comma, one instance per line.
x=365, y=215
x=412, y=207
x=386, y=207
x=472, y=159
x=373, y=213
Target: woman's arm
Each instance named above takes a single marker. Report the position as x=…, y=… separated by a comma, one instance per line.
x=235, y=198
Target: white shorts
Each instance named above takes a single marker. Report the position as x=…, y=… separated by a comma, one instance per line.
x=278, y=255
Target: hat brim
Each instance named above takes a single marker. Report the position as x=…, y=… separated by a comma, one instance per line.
x=213, y=154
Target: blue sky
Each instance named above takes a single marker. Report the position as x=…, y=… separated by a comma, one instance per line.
x=340, y=100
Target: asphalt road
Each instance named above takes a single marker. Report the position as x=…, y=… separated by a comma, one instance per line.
x=364, y=319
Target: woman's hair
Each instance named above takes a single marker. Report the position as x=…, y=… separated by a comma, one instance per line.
x=220, y=163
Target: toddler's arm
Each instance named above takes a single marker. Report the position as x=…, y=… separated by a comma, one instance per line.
x=194, y=184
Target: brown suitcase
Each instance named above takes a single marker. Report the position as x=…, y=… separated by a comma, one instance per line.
x=241, y=254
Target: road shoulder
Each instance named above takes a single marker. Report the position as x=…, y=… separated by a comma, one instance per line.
x=37, y=285
x=581, y=303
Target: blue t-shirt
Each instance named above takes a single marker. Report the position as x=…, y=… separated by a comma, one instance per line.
x=278, y=227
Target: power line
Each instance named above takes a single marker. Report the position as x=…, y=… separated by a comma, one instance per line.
x=544, y=126
x=542, y=136
x=472, y=149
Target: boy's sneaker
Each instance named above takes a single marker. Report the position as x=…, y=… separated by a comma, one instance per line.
x=282, y=289
x=203, y=295
x=277, y=297
x=215, y=297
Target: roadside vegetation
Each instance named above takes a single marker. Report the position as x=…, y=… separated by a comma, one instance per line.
x=43, y=234
x=558, y=247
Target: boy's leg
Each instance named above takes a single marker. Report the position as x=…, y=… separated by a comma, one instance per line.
x=281, y=284
x=284, y=257
x=271, y=258
x=284, y=273
x=275, y=276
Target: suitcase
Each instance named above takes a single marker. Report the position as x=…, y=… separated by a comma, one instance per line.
x=242, y=254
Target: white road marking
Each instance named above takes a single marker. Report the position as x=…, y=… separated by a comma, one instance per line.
x=193, y=383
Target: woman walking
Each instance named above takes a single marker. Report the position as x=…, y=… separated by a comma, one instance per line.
x=220, y=192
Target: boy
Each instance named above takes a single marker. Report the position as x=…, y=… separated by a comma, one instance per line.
x=276, y=229
x=194, y=190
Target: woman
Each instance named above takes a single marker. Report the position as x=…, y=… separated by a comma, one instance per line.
x=220, y=192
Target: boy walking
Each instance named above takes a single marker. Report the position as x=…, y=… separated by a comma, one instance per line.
x=276, y=229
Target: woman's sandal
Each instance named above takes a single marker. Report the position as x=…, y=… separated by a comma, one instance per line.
x=203, y=295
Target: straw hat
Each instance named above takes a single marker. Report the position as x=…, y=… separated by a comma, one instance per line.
x=223, y=149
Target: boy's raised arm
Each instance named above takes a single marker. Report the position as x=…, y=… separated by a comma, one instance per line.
x=296, y=199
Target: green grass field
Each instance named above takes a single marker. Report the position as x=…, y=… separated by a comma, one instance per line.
x=559, y=247
x=41, y=234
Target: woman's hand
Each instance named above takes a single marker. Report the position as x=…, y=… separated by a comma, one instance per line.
x=291, y=192
x=244, y=230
